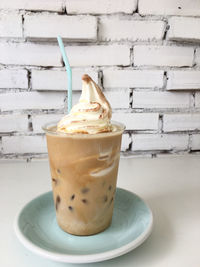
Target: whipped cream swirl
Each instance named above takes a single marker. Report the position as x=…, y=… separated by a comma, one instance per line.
x=91, y=115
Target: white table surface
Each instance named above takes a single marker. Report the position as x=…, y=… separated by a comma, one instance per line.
x=170, y=185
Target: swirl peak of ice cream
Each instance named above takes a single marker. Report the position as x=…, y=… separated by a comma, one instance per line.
x=91, y=115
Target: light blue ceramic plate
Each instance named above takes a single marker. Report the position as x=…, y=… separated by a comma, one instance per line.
x=37, y=229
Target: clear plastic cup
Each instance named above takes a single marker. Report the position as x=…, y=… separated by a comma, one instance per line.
x=84, y=170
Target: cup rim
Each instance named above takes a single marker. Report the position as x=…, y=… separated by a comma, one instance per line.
x=46, y=129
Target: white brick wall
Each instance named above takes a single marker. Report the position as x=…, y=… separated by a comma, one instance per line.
x=143, y=142
x=181, y=122
x=137, y=121
x=116, y=29
x=160, y=100
x=51, y=25
x=99, y=55
x=36, y=5
x=197, y=100
x=24, y=144
x=169, y=7
x=75, y=97
x=100, y=7
x=144, y=54
x=57, y=79
x=38, y=121
x=13, y=122
x=7, y=22
x=163, y=55
x=132, y=78
x=31, y=100
x=118, y=98
x=29, y=54
x=197, y=59
x=195, y=142
x=126, y=140
x=13, y=79
x=185, y=29
x=183, y=80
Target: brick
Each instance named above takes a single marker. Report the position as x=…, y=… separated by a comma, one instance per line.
x=13, y=160
x=151, y=100
x=30, y=54
x=197, y=100
x=31, y=100
x=183, y=80
x=132, y=78
x=99, y=55
x=172, y=156
x=6, y=25
x=57, y=79
x=79, y=28
x=197, y=58
x=181, y=122
x=100, y=7
x=39, y=121
x=126, y=141
x=163, y=56
x=118, y=98
x=142, y=142
x=169, y=7
x=184, y=29
x=37, y=5
x=13, y=123
x=116, y=29
x=24, y=144
x=137, y=121
x=13, y=79
x=75, y=97
x=195, y=142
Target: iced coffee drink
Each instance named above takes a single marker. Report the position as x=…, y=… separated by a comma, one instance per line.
x=84, y=155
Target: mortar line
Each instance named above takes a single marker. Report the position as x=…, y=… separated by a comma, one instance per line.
x=160, y=123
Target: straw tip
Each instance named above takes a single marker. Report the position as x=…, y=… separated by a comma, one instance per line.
x=86, y=78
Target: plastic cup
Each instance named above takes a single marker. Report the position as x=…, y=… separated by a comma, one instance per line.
x=84, y=170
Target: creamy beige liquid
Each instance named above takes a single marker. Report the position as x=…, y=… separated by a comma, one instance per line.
x=84, y=173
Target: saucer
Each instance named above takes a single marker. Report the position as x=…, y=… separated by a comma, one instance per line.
x=37, y=229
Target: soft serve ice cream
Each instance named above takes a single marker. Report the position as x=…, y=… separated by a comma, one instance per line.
x=91, y=115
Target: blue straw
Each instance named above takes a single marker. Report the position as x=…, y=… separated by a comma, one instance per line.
x=69, y=73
